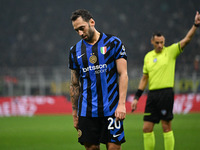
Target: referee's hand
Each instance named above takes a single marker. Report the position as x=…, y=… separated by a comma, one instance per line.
x=134, y=105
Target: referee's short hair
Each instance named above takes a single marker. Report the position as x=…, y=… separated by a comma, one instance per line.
x=158, y=33
x=85, y=14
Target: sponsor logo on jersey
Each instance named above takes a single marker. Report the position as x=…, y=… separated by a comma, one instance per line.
x=98, y=68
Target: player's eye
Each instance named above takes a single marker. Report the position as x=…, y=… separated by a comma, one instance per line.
x=81, y=28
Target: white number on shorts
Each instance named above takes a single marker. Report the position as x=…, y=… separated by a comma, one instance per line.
x=111, y=127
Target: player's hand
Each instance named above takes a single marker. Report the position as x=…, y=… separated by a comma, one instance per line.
x=120, y=112
x=197, y=18
x=75, y=119
x=134, y=105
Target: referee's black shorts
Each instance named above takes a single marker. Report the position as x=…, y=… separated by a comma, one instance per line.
x=159, y=105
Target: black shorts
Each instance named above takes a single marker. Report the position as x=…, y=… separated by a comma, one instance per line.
x=159, y=105
x=96, y=130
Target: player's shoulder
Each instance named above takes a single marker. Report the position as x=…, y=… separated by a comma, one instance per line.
x=73, y=48
x=111, y=37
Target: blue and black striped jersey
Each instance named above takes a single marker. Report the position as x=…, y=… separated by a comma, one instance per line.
x=99, y=92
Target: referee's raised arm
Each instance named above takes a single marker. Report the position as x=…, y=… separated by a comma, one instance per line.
x=191, y=32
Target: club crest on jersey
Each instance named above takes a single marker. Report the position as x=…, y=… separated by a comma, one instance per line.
x=155, y=60
x=93, y=59
x=79, y=133
x=103, y=50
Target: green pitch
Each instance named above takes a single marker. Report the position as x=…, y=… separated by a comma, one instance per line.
x=57, y=133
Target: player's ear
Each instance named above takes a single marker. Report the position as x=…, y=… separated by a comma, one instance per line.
x=92, y=22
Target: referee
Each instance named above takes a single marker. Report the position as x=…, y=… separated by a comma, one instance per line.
x=159, y=71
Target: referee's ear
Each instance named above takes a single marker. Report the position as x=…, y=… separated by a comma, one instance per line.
x=152, y=41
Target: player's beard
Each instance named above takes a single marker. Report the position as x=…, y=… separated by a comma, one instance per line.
x=90, y=35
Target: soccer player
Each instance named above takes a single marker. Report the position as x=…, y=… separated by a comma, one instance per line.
x=158, y=71
x=99, y=83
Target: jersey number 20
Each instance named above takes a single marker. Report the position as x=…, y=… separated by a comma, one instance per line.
x=112, y=125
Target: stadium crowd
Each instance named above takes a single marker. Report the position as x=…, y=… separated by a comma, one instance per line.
x=39, y=33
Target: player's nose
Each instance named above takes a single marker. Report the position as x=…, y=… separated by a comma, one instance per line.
x=80, y=32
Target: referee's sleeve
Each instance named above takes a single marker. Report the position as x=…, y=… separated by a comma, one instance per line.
x=145, y=67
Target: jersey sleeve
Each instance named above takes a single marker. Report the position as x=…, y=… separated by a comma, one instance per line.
x=120, y=50
x=72, y=64
x=145, y=71
x=175, y=49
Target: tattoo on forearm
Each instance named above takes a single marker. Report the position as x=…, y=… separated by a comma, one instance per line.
x=74, y=89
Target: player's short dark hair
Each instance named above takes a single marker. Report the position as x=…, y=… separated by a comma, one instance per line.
x=85, y=14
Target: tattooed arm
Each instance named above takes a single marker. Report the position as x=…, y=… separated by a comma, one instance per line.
x=74, y=95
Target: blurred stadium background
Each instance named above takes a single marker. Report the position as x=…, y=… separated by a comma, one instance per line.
x=36, y=36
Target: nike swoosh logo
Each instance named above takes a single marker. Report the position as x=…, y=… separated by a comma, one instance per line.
x=81, y=56
x=116, y=135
